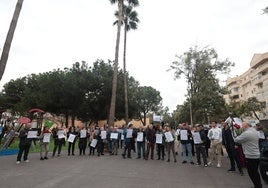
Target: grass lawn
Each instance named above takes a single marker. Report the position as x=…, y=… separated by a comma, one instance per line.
x=35, y=148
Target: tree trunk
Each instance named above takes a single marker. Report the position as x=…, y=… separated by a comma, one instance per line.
x=256, y=115
x=125, y=74
x=114, y=86
x=73, y=120
x=11, y=31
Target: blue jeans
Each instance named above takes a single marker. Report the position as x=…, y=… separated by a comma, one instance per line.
x=141, y=148
x=187, y=147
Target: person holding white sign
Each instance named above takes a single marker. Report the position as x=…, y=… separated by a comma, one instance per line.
x=160, y=143
x=141, y=142
x=71, y=139
x=128, y=135
x=59, y=139
x=44, y=143
x=199, y=137
x=92, y=142
x=185, y=139
x=82, y=142
x=25, y=144
x=115, y=141
x=215, y=136
x=170, y=138
x=101, y=136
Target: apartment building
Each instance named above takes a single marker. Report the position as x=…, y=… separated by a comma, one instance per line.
x=252, y=83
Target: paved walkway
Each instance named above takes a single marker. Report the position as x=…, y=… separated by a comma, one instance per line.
x=114, y=172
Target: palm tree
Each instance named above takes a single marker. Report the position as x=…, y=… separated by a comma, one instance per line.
x=130, y=23
x=7, y=45
x=114, y=84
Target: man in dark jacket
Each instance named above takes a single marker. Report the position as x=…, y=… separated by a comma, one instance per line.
x=25, y=144
x=200, y=145
x=228, y=142
x=150, y=137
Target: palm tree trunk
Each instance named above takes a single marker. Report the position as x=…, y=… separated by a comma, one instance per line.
x=11, y=31
x=125, y=74
x=114, y=86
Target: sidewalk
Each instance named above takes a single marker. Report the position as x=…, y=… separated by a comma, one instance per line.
x=114, y=172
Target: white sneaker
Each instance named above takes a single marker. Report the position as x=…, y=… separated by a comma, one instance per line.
x=18, y=162
x=218, y=165
x=209, y=163
x=27, y=161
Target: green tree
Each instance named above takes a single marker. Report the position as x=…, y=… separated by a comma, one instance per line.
x=9, y=38
x=205, y=96
x=252, y=106
x=148, y=100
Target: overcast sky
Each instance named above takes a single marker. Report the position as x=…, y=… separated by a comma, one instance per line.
x=55, y=34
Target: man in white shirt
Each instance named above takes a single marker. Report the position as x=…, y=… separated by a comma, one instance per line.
x=215, y=136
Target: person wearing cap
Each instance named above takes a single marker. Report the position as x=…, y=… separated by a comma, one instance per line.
x=25, y=144
x=250, y=144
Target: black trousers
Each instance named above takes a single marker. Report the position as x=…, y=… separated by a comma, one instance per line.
x=253, y=172
x=161, y=151
x=23, y=149
x=127, y=149
x=82, y=144
x=201, y=150
x=58, y=145
x=233, y=156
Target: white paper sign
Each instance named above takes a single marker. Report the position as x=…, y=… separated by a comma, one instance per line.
x=169, y=136
x=46, y=137
x=103, y=135
x=159, y=138
x=261, y=134
x=120, y=131
x=140, y=137
x=71, y=138
x=184, y=134
x=60, y=134
x=114, y=136
x=93, y=143
x=122, y=137
x=83, y=133
x=197, y=138
x=32, y=134
x=129, y=133
x=216, y=135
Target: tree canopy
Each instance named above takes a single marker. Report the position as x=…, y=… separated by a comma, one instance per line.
x=205, y=96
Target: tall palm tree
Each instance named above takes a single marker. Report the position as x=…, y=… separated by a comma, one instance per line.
x=114, y=84
x=130, y=22
x=7, y=45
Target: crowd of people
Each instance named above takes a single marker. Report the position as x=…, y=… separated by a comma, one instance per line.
x=206, y=143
